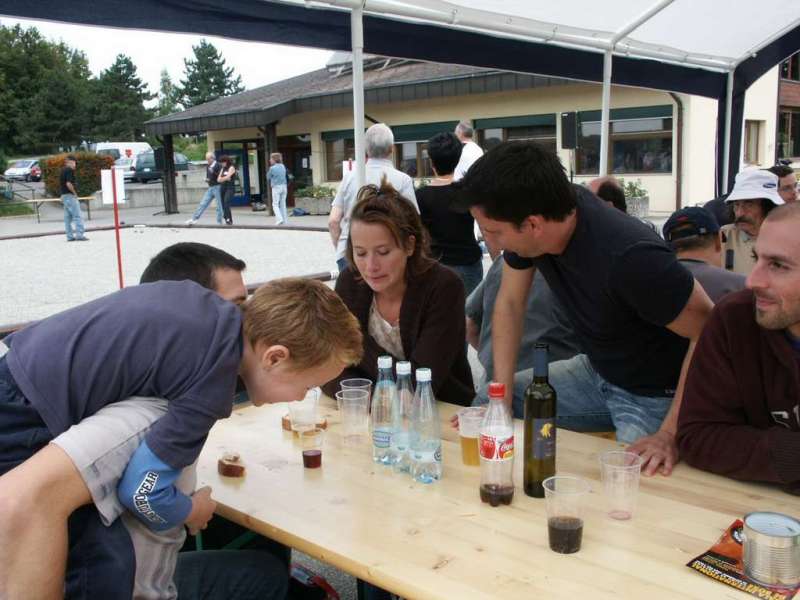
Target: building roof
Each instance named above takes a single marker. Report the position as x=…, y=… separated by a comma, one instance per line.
x=385, y=80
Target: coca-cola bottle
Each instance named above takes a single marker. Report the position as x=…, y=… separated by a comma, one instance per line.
x=496, y=447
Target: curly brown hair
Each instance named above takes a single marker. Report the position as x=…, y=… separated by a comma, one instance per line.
x=383, y=205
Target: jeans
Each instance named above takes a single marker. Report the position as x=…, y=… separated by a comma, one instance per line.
x=587, y=402
x=341, y=264
x=471, y=275
x=224, y=574
x=279, y=193
x=211, y=193
x=72, y=216
x=100, y=560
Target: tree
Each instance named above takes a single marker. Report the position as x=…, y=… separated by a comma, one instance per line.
x=206, y=78
x=168, y=95
x=118, y=98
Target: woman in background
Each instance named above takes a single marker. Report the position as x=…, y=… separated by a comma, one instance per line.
x=225, y=180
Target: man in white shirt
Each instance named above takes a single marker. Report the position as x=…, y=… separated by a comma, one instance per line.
x=470, y=151
x=379, y=142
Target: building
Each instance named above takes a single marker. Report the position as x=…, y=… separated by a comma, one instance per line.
x=789, y=110
x=665, y=140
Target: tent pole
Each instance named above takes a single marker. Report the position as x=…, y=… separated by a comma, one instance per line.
x=726, y=150
x=357, y=43
x=604, y=120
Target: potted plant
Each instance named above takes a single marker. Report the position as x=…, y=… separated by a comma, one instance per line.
x=315, y=200
x=636, y=197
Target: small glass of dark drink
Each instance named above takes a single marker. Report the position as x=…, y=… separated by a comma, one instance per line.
x=311, y=443
x=565, y=497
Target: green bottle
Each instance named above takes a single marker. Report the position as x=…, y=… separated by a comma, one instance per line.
x=540, y=426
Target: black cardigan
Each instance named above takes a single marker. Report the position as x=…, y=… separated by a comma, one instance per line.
x=432, y=329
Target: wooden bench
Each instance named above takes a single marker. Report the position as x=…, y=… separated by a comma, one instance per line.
x=38, y=202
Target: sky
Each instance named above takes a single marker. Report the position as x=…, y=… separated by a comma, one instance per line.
x=258, y=64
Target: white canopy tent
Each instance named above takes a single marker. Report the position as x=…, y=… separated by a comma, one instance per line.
x=712, y=48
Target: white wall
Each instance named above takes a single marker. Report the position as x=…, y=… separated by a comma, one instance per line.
x=761, y=104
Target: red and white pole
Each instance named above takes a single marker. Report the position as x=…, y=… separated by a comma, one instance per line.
x=116, y=226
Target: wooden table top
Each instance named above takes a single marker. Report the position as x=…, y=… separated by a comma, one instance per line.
x=439, y=541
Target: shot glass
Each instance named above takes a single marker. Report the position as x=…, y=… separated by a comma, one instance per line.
x=303, y=413
x=565, y=497
x=469, y=428
x=620, y=472
x=354, y=409
x=311, y=443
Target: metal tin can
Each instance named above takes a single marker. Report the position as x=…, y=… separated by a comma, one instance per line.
x=772, y=548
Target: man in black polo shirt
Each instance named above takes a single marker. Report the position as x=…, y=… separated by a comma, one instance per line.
x=636, y=311
x=69, y=198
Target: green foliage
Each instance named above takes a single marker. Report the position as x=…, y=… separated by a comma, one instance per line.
x=118, y=97
x=3, y=162
x=8, y=209
x=87, y=172
x=194, y=148
x=168, y=95
x=633, y=189
x=206, y=78
x=315, y=191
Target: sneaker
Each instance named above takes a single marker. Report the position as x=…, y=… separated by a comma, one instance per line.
x=70, y=239
x=190, y=222
x=82, y=239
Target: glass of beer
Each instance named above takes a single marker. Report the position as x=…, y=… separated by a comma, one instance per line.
x=469, y=429
x=565, y=497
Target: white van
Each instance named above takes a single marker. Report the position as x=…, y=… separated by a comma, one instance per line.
x=118, y=150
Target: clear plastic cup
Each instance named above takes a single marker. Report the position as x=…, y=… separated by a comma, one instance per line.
x=357, y=383
x=469, y=429
x=303, y=413
x=311, y=444
x=565, y=499
x=354, y=410
x=620, y=472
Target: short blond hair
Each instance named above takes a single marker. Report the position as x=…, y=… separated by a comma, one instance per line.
x=308, y=318
x=277, y=157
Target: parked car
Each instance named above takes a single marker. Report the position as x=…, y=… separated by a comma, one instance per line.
x=125, y=166
x=24, y=170
x=144, y=168
x=121, y=149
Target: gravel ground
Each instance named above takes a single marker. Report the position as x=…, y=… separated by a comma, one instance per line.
x=45, y=275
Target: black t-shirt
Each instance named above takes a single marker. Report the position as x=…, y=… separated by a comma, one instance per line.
x=620, y=285
x=452, y=234
x=212, y=172
x=67, y=174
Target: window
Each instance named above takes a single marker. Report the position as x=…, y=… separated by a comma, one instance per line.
x=544, y=135
x=636, y=146
x=412, y=159
x=789, y=133
x=752, y=142
x=336, y=152
x=790, y=68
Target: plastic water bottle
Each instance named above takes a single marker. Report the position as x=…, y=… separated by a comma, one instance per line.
x=402, y=425
x=496, y=448
x=426, y=438
x=384, y=404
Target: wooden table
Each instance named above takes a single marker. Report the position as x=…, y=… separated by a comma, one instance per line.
x=439, y=541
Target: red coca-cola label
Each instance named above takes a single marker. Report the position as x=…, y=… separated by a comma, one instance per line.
x=494, y=448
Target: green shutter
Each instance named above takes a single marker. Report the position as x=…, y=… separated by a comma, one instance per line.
x=520, y=121
x=421, y=132
x=636, y=112
x=341, y=134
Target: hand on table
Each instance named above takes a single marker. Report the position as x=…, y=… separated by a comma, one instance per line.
x=454, y=421
x=659, y=452
x=202, y=510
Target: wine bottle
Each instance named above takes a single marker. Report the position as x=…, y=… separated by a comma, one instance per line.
x=540, y=426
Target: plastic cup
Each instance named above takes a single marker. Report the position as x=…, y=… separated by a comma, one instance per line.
x=311, y=444
x=357, y=383
x=565, y=497
x=469, y=429
x=620, y=472
x=354, y=408
x=303, y=413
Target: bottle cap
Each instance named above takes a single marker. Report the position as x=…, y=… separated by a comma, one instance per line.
x=497, y=390
x=384, y=362
x=403, y=367
x=423, y=375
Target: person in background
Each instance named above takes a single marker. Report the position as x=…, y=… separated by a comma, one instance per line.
x=470, y=151
x=227, y=186
x=754, y=195
x=379, y=142
x=452, y=233
x=278, y=183
x=693, y=233
x=69, y=198
x=409, y=306
x=740, y=415
x=636, y=310
x=609, y=191
x=213, y=192
x=787, y=182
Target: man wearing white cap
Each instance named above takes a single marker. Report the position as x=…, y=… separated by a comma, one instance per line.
x=755, y=193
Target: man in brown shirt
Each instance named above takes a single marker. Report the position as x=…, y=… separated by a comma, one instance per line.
x=740, y=415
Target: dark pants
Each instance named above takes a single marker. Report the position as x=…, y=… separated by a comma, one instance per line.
x=227, y=196
x=224, y=574
x=100, y=560
x=471, y=275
